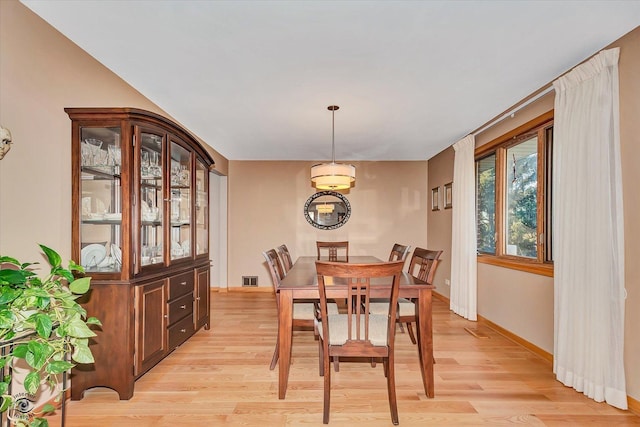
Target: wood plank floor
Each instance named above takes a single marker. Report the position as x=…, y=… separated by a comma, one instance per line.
x=222, y=377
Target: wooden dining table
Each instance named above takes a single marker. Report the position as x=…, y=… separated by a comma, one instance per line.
x=301, y=282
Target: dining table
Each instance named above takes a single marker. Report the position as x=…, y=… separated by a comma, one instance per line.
x=301, y=282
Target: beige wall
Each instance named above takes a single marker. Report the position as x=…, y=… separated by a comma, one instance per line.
x=266, y=199
x=522, y=303
x=439, y=233
x=41, y=73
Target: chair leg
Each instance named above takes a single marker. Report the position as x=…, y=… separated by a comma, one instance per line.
x=276, y=354
x=411, y=335
x=336, y=363
x=391, y=390
x=321, y=357
x=327, y=388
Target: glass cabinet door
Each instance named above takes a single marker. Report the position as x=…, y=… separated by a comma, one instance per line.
x=180, y=202
x=101, y=199
x=202, y=208
x=151, y=240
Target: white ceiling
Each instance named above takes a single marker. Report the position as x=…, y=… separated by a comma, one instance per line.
x=254, y=78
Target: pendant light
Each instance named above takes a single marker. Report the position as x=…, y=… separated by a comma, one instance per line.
x=333, y=176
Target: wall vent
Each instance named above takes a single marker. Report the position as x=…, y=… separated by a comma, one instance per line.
x=251, y=281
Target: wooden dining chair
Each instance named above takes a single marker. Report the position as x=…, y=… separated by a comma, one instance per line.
x=358, y=333
x=285, y=258
x=423, y=265
x=305, y=313
x=333, y=248
x=399, y=252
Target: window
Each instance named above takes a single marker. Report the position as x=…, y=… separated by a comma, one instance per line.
x=513, y=198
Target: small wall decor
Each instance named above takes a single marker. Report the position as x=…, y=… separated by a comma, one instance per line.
x=448, y=195
x=435, y=199
x=5, y=141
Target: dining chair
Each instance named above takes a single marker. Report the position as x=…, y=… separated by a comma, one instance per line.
x=333, y=248
x=399, y=252
x=423, y=265
x=358, y=333
x=305, y=312
x=285, y=257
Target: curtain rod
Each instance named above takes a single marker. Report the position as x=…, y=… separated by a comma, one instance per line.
x=513, y=110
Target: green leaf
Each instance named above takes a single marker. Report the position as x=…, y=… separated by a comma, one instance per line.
x=58, y=367
x=78, y=329
x=20, y=351
x=4, y=387
x=39, y=422
x=9, y=260
x=48, y=408
x=32, y=382
x=38, y=354
x=6, y=403
x=93, y=321
x=52, y=256
x=82, y=354
x=80, y=286
x=43, y=325
x=14, y=277
x=7, y=319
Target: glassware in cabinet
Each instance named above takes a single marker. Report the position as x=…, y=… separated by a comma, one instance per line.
x=202, y=208
x=180, y=201
x=101, y=199
x=151, y=248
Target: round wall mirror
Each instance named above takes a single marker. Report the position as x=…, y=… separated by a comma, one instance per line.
x=327, y=210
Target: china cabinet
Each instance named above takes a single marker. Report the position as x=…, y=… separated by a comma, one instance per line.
x=140, y=228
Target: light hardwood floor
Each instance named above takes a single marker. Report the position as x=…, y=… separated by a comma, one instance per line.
x=222, y=377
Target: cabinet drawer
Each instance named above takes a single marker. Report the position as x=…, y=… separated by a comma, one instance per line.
x=180, y=308
x=179, y=332
x=180, y=285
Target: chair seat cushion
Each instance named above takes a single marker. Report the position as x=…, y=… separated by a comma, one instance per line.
x=338, y=329
x=307, y=310
x=405, y=307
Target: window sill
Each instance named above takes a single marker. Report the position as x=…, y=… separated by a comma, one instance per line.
x=517, y=264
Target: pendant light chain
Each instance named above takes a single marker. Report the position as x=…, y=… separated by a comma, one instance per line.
x=333, y=109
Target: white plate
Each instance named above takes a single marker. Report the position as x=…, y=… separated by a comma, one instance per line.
x=113, y=216
x=92, y=255
x=144, y=208
x=116, y=253
x=108, y=261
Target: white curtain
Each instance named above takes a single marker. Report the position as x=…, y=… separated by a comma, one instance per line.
x=589, y=232
x=464, y=280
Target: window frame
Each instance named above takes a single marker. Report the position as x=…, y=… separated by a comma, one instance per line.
x=542, y=264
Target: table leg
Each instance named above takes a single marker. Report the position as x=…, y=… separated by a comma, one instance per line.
x=285, y=328
x=424, y=325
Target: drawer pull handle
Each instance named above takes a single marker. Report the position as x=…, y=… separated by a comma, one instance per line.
x=183, y=306
x=183, y=283
x=198, y=299
x=183, y=330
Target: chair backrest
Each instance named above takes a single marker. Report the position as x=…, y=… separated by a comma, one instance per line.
x=425, y=262
x=399, y=252
x=285, y=257
x=333, y=248
x=275, y=269
x=358, y=279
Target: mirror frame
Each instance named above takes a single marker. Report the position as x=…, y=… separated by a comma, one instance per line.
x=339, y=224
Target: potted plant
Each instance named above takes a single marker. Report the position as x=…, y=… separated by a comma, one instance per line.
x=42, y=327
